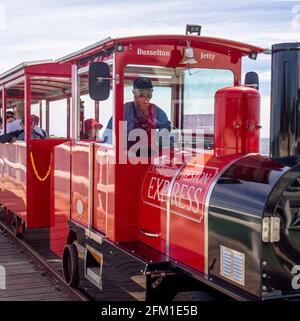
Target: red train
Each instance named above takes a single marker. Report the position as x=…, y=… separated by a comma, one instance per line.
x=209, y=216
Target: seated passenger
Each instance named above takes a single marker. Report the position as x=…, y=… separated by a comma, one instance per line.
x=14, y=131
x=140, y=113
x=14, y=126
x=36, y=131
x=10, y=116
x=91, y=129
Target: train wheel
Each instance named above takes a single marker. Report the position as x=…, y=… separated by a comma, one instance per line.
x=70, y=265
x=18, y=226
x=193, y=296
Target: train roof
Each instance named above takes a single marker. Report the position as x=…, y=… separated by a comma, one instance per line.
x=23, y=65
x=242, y=48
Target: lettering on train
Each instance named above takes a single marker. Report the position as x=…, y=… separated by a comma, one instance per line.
x=158, y=190
x=155, y=52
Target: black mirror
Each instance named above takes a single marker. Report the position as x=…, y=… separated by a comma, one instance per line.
x=99, y=81
x=251, y=79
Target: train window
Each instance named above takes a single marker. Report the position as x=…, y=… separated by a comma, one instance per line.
x=186, y=95
x=50, y=103
x=58, y=125
x=93, y=115
x=14, y=104
x=161, y=81
x=35, y=121
x=198, y=91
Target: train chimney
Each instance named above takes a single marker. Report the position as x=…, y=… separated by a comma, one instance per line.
x=285, y=100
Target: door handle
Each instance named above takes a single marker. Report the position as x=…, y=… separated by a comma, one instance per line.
x=150, y=234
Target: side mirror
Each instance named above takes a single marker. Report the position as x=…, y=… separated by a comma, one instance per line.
x=251, y=79
x=99, y=81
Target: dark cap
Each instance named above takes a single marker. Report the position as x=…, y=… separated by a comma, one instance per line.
x=142, y=83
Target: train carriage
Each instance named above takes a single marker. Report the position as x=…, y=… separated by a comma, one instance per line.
x=38, y=88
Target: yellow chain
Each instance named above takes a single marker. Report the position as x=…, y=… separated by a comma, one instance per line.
x=36, y=172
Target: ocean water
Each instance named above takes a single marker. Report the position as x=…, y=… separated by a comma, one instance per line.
x=264, y=146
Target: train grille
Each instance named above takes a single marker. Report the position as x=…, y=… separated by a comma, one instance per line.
x=232, y=265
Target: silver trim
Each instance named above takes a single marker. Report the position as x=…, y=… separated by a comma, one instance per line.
x=265, y=229
x=168, y=208
x=114, y=101
x=147, y=233
x=271, y=229
x=89, y=274
x=93, y=236
x=106, y=196
x=75, y=112
x=275, y=229
x=83, y=50
x=91, y=185
x=207, y=201
x=86, y=69
x=23, y=65
x=82, y=70
x=197, y=220
x=14, y=82
x=232, y=265
x=79, y=72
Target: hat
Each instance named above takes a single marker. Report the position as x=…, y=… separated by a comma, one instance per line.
x=10, y=113
x=34, y=118
x=142, y=83
x=91, y=123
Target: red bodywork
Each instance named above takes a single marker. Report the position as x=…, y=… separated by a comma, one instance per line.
x=21, y=191
x=129, y=201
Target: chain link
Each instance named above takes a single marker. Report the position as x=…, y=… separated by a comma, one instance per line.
x=41, y=179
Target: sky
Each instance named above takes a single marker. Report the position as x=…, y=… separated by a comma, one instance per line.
x=44, y=29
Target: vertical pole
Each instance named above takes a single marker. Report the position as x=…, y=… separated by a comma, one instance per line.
x=27, y=109
x=68, y=116
x=75, y=105
x=41, y=113
x=97, y=111
x=4, y=98
x=47, y=117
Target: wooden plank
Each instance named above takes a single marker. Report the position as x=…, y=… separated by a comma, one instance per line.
x=24, y=280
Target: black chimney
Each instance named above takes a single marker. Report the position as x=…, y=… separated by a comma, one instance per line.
x=285, y=100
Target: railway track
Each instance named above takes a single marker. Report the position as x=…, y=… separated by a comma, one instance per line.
x=28, y=275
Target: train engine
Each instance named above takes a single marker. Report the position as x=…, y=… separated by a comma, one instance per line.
x=209, y=217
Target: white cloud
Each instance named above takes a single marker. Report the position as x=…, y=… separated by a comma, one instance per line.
x=2, y=17
x=34, y=29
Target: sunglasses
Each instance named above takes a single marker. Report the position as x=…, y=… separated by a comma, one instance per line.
x=143, y=93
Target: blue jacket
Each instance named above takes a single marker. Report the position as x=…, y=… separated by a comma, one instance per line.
x=130, y=112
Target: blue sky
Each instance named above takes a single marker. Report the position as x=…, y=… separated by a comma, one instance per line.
x=44, y=29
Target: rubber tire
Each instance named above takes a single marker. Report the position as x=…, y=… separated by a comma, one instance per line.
x=70, y=265
x=193, y=296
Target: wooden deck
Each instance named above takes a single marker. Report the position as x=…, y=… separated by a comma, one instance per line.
x=24, y=281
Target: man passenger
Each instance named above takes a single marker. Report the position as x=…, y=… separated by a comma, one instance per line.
x=140, y=113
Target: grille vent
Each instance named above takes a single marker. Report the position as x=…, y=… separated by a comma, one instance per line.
x=232, y=265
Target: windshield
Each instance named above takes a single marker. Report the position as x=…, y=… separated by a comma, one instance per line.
x=184, y=95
